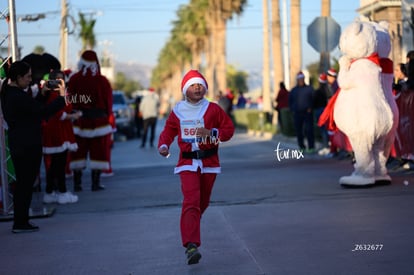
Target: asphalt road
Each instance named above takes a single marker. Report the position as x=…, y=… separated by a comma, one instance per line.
x=267, y=216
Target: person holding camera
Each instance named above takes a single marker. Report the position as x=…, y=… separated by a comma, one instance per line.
x=23, y=114
x=58, y=140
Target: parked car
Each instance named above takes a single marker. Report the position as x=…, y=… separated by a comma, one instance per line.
x=124, y=115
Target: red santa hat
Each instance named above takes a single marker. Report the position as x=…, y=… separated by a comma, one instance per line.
x=332, y=72
x=89, y=61
x=322, y=78
x=193, y=77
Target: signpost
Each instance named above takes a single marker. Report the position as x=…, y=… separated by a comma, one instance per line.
x=323, y=36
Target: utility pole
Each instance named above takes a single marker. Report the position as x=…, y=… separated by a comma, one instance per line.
x=13, y=32
x=267, y=107
x=325, y=56
x=286, y=64
x=63, y=51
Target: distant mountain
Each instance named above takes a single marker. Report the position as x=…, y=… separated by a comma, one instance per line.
x=142, y=73
x=135, y=71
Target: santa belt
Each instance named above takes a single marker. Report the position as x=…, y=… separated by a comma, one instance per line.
x=94, y=113
x=199, y=154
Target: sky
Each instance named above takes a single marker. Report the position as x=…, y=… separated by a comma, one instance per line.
x=136, y=31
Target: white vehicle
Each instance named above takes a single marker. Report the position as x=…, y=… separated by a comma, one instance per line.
x=124, y=115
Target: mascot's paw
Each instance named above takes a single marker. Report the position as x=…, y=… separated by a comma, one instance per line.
x=344, y=62
x=355, y=181
x=382, y=180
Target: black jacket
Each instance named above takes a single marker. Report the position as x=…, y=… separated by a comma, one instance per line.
x=24, y=115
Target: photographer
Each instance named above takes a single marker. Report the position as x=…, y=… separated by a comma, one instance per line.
x=23, y=114
x=58, y=139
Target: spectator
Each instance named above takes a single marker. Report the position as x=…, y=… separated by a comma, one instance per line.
x=225, y=103
x=300, y=103
x=149, y=110
x=281, y=102
x=404, y=144
x=199, y=125
x=320, y=99
x=241, y=101
x=138, y=116
x=58, y=139
x=400, y=75
x=23, y=114
x=90, y=92
x=331, y=77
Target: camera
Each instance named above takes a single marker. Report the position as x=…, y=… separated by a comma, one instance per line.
x=53, y=84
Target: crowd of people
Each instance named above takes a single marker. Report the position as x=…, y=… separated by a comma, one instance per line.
x=306, y=105
x=64, y=119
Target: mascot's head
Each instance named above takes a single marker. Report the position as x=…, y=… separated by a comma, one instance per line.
x=89, y=62
x=358, y=40
x=383, y=38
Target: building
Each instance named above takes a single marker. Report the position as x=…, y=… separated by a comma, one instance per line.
x=400, y=15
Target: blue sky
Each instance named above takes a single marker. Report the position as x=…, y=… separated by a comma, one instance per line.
x=135, y=31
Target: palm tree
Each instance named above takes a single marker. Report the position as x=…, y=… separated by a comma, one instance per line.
x=295, y=41
x=276, y=46
x=87, y=34
x=199, y=30
x=219, y=12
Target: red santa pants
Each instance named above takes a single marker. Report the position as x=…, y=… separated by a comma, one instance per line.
x=96, y=147
x=196, y=189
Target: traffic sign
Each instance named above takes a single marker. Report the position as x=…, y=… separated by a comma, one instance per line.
x=323, y=34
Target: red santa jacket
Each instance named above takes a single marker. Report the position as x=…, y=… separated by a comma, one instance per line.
x=57, y=132
x=93, y=96
x=183, y=122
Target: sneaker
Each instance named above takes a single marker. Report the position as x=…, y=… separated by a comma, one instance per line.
x=193, y=256
x=50, y=197
x=67, y=197
x=29, y=227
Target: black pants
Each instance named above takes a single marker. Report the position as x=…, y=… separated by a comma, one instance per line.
x=26, y=163
x=149, y=123
x=55, y=174
x=304, y=125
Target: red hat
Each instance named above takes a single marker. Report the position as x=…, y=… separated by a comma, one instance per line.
x=193, y=77
x=300, y=75
x=322, y=78
x=331, y=72
x=89, y=60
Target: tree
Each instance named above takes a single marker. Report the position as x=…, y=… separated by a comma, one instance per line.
x=86, y=33
x=276, y=46
x=236, y=80
x=295, y=41
x=125, y=84
x=39, y=49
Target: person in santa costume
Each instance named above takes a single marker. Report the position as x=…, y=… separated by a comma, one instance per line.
x=91, y=93
x=200, y=126
x=58, y=139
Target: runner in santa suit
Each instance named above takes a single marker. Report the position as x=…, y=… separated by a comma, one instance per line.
x=91, y=93
x=200, y=125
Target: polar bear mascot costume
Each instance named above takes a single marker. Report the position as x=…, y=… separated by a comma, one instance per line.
x=387, y=79
x=361, y=110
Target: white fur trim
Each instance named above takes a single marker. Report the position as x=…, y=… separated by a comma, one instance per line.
x=194, y=80
x=356, y=180
x=72, y=147
x=91, y=133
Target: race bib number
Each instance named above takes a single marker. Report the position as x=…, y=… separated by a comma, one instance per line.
x=189, y=129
